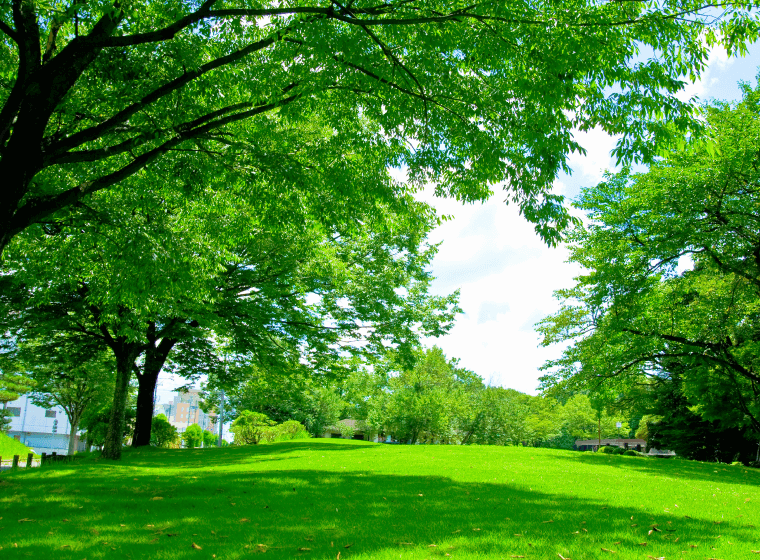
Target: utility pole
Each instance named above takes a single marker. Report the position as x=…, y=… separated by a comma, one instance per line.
x=221, y=419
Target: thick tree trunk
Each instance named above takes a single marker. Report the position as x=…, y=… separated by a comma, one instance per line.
x=155, y=358
x=124, y=362
x=144, y=417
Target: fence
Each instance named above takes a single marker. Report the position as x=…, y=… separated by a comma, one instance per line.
x=19, y=461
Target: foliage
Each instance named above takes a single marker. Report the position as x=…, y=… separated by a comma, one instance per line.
x=500, y=417
x=292, y=429
x=192, y=436
x=68, y=372
x=671, y=286
x=162, y=433
x=679, y=427
x=346, y=430
x=96, y=424
x=12, y=385
x=477, y=99
x=293, y=394
x=249, y=427
x=210, y=439
x=422, y=403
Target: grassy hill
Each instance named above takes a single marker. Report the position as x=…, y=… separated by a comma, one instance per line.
x=10, y=447
x=328, y=499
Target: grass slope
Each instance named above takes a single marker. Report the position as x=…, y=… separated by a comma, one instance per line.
x=328, y=499
x=10, y=447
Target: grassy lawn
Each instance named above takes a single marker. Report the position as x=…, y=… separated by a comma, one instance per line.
x=328, y=499
x=10, y=447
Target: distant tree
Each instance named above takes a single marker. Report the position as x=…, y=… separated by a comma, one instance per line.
x=162, y=433
x=423, y=403
x=12, y=386
x=192, y=436
x=210, y=439
x=679, y=427
x=346, y=430
x=75, y=374
x=501, y=418
x=582, y=421
x=96, y=425
x=249, y=427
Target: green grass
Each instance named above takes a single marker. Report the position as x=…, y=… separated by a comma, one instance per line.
x=10, y=447
x=314, y=499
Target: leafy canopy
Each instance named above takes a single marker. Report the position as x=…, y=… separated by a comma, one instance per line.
x=465, y=95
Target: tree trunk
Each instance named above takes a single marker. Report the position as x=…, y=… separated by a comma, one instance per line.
x=74, y=422
x=155, y=358
x=144, y=417
x=125, y=359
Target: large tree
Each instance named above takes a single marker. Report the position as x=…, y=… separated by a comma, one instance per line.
x=673, y=276
x=94, y=94
x=287, y=285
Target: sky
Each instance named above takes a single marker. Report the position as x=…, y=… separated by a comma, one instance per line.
x=507, y=276
x=505, y=273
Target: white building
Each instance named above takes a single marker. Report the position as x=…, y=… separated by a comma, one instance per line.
x=44, y=430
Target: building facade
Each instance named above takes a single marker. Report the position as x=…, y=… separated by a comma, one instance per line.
x=46, y=430
x=185, y=410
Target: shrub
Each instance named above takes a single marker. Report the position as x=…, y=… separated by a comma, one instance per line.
x=249, y=427
x=162, y=433
x=192, y=436
x=292, y=430
x=631, y=453
x=345, y=430
x=607, y=449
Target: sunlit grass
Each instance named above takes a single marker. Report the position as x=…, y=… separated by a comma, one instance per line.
x=317, y=498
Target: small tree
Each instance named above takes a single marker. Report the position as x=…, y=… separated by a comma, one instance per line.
x=249, y=427
x=209, y=438
x=193, y=436
x=346, y=430
x=162, y=433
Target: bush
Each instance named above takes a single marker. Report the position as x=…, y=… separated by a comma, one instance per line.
x=292, y=430
x=608, y=449
x=250, y=427
x=631, y=453
x=162, y=433
x=345, y=430
x=192, y=436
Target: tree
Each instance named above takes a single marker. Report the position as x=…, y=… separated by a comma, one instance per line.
x=209, y=439
x=422, y=402
x=500, y=418
x=678, y=426
x=672, y=282
x=476, y=98
x=252, y=290
x=249, y=427
x=192, y=436
x=162, y=433
x=77, y=377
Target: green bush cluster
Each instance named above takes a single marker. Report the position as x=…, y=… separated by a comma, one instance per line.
x=253, y=427
x=286, y=431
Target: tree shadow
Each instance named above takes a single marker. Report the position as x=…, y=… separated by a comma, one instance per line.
x=313, y=513
x=676, y=468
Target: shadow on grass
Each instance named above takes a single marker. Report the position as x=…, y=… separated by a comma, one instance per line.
x=677, y=468
x=318, y=513
x=146, y=457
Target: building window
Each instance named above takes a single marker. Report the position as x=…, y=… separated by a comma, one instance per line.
x=14, y=410
x=50, y=414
